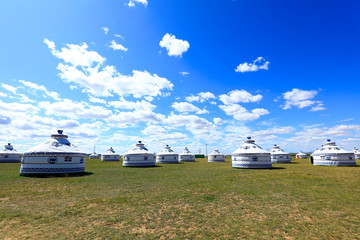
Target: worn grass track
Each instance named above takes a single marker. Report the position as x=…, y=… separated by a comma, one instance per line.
x=186, y=201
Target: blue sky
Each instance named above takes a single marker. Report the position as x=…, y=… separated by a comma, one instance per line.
x=183, y=73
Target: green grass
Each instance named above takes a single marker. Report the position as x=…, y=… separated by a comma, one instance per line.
x=184, y=201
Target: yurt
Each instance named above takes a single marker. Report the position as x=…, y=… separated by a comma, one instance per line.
x=250, y=155
x=332, y=155
x=139, y=156
x=110, y=155
x=56, y=155
x=94, y=155
x=186, y=156
x=278, y=155
x=9, y=154
x=167, y=155
x=216, y=156
x=357, y=153
x=301, y=155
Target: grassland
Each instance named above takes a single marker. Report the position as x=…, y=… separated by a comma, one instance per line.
x=183, y=201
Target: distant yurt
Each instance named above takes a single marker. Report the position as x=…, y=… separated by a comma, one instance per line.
x=110, y=155
x=301, y=155
x=94, y=155
x=250, y=155
x=56, y=155
x=186, y=156
x=332, y=155
x=167, y=155
x=357, y=153
x=139, y=156
x=216, y=156
x=9, y=154
x=278, y=155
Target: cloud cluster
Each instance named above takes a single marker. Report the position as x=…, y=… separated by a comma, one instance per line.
x=256, y=65
x=131, y=3
x=185, y=107
x=175, y=47
x=301, y=99
x=237, y=96
x=200, y=97
x=117, y=46
x=238, y=112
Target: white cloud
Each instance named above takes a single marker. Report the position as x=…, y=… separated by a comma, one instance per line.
x=9, y=88
x=117, y=46
x=238, y=112
x=42, y=88
x=218, y=121
x=24, y=98
x=106, y=30
x=301, y=98
x=256, y=65
x=96, y=100
x=237, y=96
x=184, y=73
x=138, y=105
x=119, y=36
x=201, y=97
x=123, y=119
x=185, y=107
x=131, y=3
x=18, y=107
x=175, y=47
x=3, y=94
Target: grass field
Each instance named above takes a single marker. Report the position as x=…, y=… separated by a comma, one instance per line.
x=185, y=201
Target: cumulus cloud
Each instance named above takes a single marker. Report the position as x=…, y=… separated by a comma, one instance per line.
x=256, y=65
x=301, y=99
x=117, y=46
x=185, y=107
x=138, y=105
x=184, y=73
x=131, y=3
x=41, y=88
x=106, y=30
x=123, y=119
x=218, y=121
x=119, y=36
x=158, y=133
x=238, y=112
x=96, y=100
x=9, y=88
x=237, y=96
x=175, y=47
x=201, y=97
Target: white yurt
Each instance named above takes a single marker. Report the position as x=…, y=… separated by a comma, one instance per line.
x=94, y=155
x=301, y=155
x=186, y=156
x=9, y=154
x=167, y=155
x=139, y=156
x=250, y=155
x=110, y=155
x=278, y=155
x=216, y=156
x=357, y=153
x=332, y=155
x=56, y=155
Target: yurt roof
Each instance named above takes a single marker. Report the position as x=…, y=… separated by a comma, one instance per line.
x=8, y=148
x=330, y=148
x=139, y=149
x=186, y=151
x=249, y=147
x=166, y=151
x=58, y=143
x=356, y=151
x=300, y=153
x=277, y=150
x=216, y=152
x=110, y=151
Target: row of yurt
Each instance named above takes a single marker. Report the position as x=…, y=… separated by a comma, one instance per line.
x=9, y=154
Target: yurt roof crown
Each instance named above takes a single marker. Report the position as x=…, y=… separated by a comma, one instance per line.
x=9, y=147
x=330, y=148
x=110, y=150
x=216, y=151
x=167, y=149
x=186, y=150
x=277, y=149
x=249, y=146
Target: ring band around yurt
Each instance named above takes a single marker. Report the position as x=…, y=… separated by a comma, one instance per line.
x=55, y=156
x=9, y=154
x=332, y=155
x=167, y=155
x=139, y=156
x=250, y=155
x=216, y=156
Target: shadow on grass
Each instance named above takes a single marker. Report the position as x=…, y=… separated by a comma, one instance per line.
x=142, y=166
x=56, y=175
x=273, y=168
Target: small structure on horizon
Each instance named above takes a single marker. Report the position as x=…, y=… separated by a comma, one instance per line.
x=110, y=155
x=55, y=156
x=250, y=155
x=167, y=155
x=186, y=156
x=356, y=153
x=216, y=156
x=9, y=154
x=278, y=155
x=139, y=156
x=301, y=155
x=94, y=155
x=332, y=155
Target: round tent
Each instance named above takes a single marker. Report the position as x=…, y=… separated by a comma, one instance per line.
x=110, y=155
x=56, y=155
x=216, y=156
x=250, y=155
x=186, y=156
x=139, y=156
x=9, y=154
x=94, y=155
x=332, y=155
x=301, y=155
x=278, y=155
x=356, y=153
x=167, y=155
